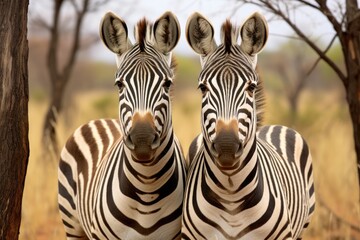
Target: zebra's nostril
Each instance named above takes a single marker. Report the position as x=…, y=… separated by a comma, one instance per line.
x=229, y=147
x=156, y=142
x=128, y=142
x=239, y=151
x=214, y=150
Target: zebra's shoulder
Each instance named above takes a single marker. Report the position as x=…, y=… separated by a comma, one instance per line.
x=194, y=148
x=102, y=126
x=97, y=134
x=287, y=142
x=275, y=133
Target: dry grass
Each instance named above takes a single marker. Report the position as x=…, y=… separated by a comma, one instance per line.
x=325, y=125
x=40, y=217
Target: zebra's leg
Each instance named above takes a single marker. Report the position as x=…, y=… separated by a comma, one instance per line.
x=67, y=200
x=71, y=224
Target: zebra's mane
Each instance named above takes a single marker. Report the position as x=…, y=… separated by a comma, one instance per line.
x=228, y=35
x=173, y=64
x=141, y=30
x=173, y=67
x=259, y=100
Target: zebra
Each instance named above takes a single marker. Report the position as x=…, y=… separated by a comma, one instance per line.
x=125, y=179
x=245, y=180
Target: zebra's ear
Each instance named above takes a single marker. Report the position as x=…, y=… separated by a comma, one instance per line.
x=200, y=34
x=114, y=33
x=166, y=32
x=254, y=34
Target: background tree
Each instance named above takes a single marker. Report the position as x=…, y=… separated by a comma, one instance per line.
x=59, y=74
x=345, y=19
x=14, y=127
x=295, y=69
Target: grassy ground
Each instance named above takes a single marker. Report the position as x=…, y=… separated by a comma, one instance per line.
x=323, y=123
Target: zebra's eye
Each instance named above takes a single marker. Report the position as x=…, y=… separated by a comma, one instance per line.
x=167, y=84
x=251, y=87
x=203, y=88
x=120, y=84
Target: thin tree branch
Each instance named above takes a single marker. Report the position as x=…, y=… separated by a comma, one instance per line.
x=235, y=9
x=332, y=19
x=319, y=58
x=40, y=23
x=76, y=40
x=278, y=12
x=310, y=5
x=75, y=5
x=95, y=6
x=54, y=41
x=91, y=39
x=253, y=3
x=286, y=36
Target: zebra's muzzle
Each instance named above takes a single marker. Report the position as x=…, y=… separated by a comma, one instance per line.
x=142, y=140
x=227, y=149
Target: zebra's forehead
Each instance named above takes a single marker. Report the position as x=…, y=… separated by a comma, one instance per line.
x=233, y=65
x=148, y=59
x=235, y=57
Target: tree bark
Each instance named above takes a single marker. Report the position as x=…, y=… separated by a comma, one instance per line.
x=352, y=87
x=14, y=126
x=353, y=98
x=351, y=49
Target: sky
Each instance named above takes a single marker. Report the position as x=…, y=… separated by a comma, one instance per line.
x=217, y=11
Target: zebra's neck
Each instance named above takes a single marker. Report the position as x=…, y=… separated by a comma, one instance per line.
x=163, y=161
x=241, y=180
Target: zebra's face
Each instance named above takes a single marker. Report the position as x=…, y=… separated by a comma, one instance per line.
x=144, y=102
x=228, y=81
x=144, y=78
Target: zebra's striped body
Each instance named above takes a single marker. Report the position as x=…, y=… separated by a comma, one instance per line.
x=244, y=181
x=264, y=199
x=125, y=179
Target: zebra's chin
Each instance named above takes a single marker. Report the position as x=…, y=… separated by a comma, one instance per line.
x=227, y=164
x=144, y=157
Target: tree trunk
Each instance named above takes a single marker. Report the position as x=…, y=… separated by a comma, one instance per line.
x=353, y=94
x=51, y=118
x=14, y=126
x=351, y=48
x=293, y=99
x=353, y=98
